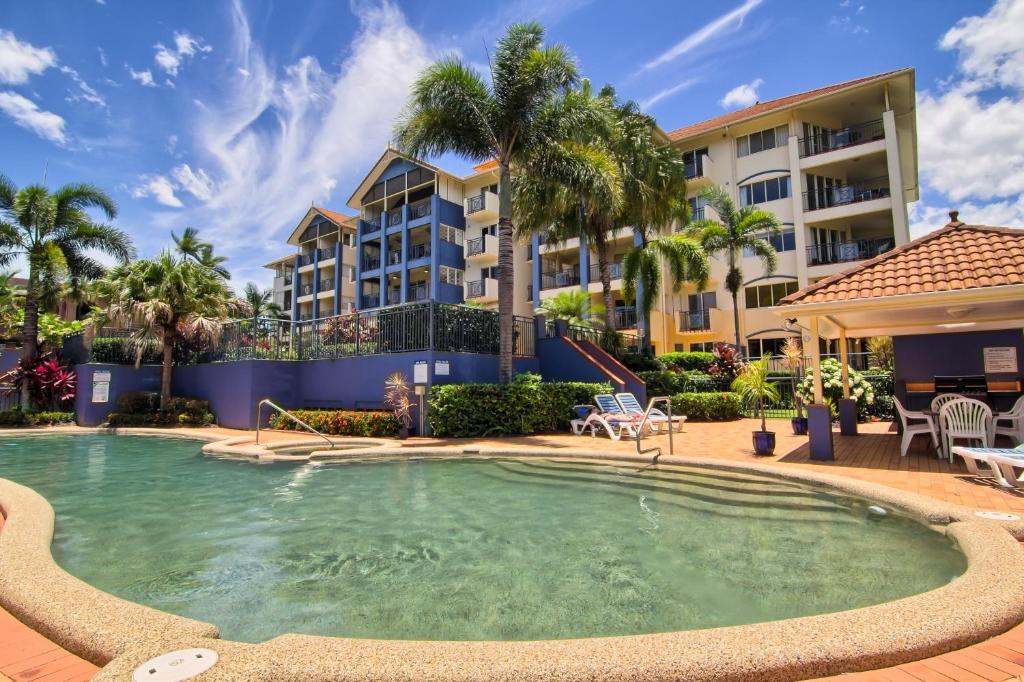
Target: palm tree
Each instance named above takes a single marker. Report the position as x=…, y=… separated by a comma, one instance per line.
x=54, y=232
x=734, y=231
x=755, y=388
x=572, y=306
x=191, y=246
x=261, y=302
x=170, y=299
x=452, y=109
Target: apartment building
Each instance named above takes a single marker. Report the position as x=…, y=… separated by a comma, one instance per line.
x=838, y=165
x=319, y=279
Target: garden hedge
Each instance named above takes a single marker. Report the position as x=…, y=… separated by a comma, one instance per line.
x=141, y=408
x=15, y=417
x=342, y=422
x=693, y=360
x=712, y=407
x=520, y=408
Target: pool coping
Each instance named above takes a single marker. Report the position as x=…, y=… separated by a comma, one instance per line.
x=986, y=600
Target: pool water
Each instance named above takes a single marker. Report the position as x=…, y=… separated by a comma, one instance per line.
x=461, y=549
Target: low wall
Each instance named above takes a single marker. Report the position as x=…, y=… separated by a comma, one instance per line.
x=123, y=378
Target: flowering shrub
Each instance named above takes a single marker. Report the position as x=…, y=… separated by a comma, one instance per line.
x=832, y=385
x=341, y=422
x=728, y=362
x=51, y=383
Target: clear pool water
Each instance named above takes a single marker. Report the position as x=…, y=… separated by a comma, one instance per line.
x=461, y=549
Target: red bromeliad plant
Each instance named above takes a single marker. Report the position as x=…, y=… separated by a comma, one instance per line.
x=728, y=361
x=51, y=383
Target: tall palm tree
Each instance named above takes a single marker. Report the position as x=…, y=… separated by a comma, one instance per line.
x=191, y=246
x=54, y=233
x=734, y=231
x=261, y=301
x=452, y=109
x=169, y=298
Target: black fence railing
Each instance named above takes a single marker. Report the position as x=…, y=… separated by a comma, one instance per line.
x=830, y=140
x=625, y=317
x=394, y=217
x=419, y=292
x=398, y=329
x=306, y=259
x=419, y=251
x=394, y=296
x=842, y=195
x=630, y=341
x=370, y=225
x=614, y=271
x=474, y=247
x=565, y=278
x=394, y=257
x=694, y=320
x=419, y=209
x=476, y=289
x=371, y=262
x=845, y=252
x=327, y=285
x=476, y=203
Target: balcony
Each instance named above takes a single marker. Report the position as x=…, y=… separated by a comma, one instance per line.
x=844, y=195
x=394, y=296
x=394, y=257
x=420, y=209
x=483, y=290
x=394, y=217
x=483, y=206
x=371, y=300
x=695, y=320
x=306, y=259
x=614, y=269
x=306, y=290
x=326, y=285
x=419, y=292
x=556, y=280
x=831, y=140
x=369, y=225
x=847, y=252
x=482, y=248
x=287, y=280
x=419, y=251
x=625, y=317
x=325, y=254
x=371, y=262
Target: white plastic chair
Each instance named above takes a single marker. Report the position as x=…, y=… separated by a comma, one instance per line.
x=1013, y=422
x=941, y=399
x=967, y=419
x=911, y=430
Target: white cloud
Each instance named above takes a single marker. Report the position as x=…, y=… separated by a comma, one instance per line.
x=19, y=61
x=170, y=58
x=103, y=55
x=26, y=114
x=159, y=188
x=145, y=77
x=172, y=144
x=970, y=147
x=85, y=92
x=280, y=138
x=667, y=92
x=723, y=25
x=741, y=96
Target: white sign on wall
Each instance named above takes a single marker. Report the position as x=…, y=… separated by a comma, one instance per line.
x=1000, y=359
x=419, y=372
x=441, y=368
x=101, y=386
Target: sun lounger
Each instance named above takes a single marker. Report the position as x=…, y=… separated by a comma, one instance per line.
x=614, y=424
x=1001, y=462
x=657, y=419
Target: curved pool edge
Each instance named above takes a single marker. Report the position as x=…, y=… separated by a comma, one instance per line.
x=986, y=600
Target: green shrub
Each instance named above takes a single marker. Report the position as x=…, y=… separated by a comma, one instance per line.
x=641, y=362
x=523, y=407
x=663, y=382
x=141, y=408
x=138, y=402
x=693, y=360
x=15, y=417
x=714, y=407
x=341, y=422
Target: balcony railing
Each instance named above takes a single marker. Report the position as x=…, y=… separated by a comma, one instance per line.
x=371, y=262
x=395, y=217
x=327, y=285
x=306, y=259
x=474, y=247
x=476, y=203
x=325, y=254
x=850, y=136
x=476, y=288
x=394, y=257
x=625, y=317
x=306, y=289
x=370, y=225
x=845, y=252
x=394, y=296
x=287, y=280
x=694, y=320
x=419, y=292
x=565, y=278
x=842, y=195
x=419, y=251
x=371, y=300
x=419, y=209
x=614, y=270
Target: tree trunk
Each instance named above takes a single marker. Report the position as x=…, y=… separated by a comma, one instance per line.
x=506, y=283
x=165, y=371
x=734, y=289
x=30, y=333
x=601, y=246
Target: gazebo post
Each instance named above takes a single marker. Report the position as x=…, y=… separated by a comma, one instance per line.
x=847, y=407
x=819, y=416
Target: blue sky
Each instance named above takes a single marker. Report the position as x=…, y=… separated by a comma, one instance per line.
x=233, y=117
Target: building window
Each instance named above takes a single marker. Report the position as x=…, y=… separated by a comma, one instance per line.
x=450, y=275
x=350, y=273
x=764, y=191
x=767, y=295
x=678, y=347
x=786, y=241
x=451, y=234
x=758, y=348
x=694, y=162
x=348, y=239
x=490, y=273
x=762, y=140
x=702, y=347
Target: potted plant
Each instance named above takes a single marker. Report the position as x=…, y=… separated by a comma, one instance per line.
x=396, y=396
x=755, y=388
x=793, y=353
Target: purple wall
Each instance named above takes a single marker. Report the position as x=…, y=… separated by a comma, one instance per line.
x=922, y=357
x=123, y=378
x=559, y=361
x=9, y=359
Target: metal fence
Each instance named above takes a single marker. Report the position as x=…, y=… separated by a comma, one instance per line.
x=398, y=329
x=785, y=406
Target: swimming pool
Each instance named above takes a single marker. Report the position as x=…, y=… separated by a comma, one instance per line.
x=478, y=549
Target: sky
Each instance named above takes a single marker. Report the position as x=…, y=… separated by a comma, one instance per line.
x=234, y=116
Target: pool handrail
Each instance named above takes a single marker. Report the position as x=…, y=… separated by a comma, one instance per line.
x=643, y=422
x=286, y=413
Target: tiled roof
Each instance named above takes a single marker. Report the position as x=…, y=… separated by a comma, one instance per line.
x=762, y=108
x=338, y=218
x=956, y=257
x=487, y=165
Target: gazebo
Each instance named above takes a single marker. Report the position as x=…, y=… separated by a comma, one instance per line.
x=953, y=301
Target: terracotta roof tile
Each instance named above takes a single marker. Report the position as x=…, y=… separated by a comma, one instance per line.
x=762, y=108
x=338, y=218
x=956, y=257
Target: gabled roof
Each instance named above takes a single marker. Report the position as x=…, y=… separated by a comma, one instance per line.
x=389, y=155
x=338, y=219
x=762, y=108
x=955, y=257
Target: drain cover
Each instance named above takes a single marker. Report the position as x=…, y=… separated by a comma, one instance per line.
x=997, y=516
x=176, y=666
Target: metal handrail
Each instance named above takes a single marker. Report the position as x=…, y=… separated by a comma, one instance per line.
x=281, y=410
x=643, y=423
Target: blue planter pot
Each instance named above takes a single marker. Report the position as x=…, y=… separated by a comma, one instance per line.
x=799, y=426
x=764, y=442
